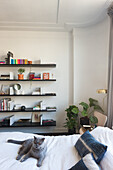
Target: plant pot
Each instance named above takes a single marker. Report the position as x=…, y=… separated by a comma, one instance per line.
x=72, y=131
x=20, y=76
x=84, y=120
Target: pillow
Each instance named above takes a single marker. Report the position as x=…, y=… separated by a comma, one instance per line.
x=88, y=144
x=107, y=161
x=86, y=163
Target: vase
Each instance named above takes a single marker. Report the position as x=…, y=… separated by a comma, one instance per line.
x=72, y=131
x=20, y=76
x=84, y=120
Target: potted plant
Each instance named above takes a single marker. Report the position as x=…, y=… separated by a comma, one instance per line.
x=72, y=118
x=21, y=75
x=88, y=110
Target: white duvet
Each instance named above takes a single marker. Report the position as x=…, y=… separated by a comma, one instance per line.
x=61, y=154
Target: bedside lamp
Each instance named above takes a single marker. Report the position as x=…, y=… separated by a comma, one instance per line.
x=102, y=91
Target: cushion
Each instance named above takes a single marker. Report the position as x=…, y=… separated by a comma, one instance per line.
x=88, y=144
x=107, y=161
x=86, y=163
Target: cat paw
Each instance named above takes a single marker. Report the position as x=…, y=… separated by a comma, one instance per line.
x=39, y=165
x=17, y=158
x=22, y=160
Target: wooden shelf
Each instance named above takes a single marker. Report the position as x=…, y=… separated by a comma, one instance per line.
x=27, y=110
x=27, y=80
x=47, y=94
x=28, y=124
x=27, y=65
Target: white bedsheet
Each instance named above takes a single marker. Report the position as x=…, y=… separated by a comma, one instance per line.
x=61, y=154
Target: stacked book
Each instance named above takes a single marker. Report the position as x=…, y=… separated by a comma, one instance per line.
x=7, y=121
x=2, y=62
x=5, y=76
x=18, y=61
x=51, y=108
x=6, y=104
x=49, y=122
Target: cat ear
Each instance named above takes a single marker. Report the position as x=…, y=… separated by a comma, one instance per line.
x=35, y=138
x=42, y=139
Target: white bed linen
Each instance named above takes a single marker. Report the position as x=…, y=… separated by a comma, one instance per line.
x=61, y=154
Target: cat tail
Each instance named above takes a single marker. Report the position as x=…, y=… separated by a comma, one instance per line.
x=15, y=141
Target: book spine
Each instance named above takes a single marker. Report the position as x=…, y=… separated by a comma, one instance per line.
x=11, y=61
x=23, y=61
x=26, y=61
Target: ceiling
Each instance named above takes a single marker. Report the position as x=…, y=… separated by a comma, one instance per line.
x=51, y=14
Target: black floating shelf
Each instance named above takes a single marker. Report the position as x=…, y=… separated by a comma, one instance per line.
x=28, y=124
x=27, y=80
x=27, y=65
x=28, y=110
x=48, y=94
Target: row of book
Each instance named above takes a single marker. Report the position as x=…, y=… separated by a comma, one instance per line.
x=6, y=104
x=18, y=61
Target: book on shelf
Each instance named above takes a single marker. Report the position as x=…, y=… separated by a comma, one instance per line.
x=6, y=104
x=7, y=121
x=48, y=122
x=51, y=108
x=18, y=61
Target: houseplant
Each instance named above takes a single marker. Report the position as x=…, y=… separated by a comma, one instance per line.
x=88, y=110
x=72, y=118
x=21, y=75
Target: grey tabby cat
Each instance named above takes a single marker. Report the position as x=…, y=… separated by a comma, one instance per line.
x=31, y=148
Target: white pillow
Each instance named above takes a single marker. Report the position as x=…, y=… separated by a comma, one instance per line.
x=107, y=161
x=90, y=163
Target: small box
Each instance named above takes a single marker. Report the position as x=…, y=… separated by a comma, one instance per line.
x=45, y=76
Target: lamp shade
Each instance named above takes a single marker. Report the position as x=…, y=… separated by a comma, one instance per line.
x=102, y=91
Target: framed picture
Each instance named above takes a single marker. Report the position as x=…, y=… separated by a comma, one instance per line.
x=45, y=76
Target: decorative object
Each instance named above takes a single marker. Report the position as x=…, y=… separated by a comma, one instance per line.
x=45, y=76
x=11, y=91
x=37, y=91
x=18, y=89
x=5, y=89
x=88, y=110
x=11, y=75
x=31, y=75
x=72, y=118
x=17, y=106
x=23, y=108
x=9, y=57
x=20, y=75
x=29, y=62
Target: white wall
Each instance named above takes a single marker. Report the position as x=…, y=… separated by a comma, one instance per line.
x=81, y=58
x=91, y=47
x=53, y=47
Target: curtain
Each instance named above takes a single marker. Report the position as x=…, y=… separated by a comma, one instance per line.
x=110, y=71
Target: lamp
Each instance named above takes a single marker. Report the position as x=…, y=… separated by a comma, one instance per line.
x=104, y=91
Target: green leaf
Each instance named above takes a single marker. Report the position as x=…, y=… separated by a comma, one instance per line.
x=84, y=113
x=98, y=108
x=84, y=105
x=75, y=110
x=92, y=102
x=93, y=119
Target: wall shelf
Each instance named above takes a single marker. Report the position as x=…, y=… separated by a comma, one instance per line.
x=28, y=124
x=27, y=110
x=27, y=80
x=47, y=94
x=28, y=65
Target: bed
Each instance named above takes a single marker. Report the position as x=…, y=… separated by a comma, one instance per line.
x=61, y=154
